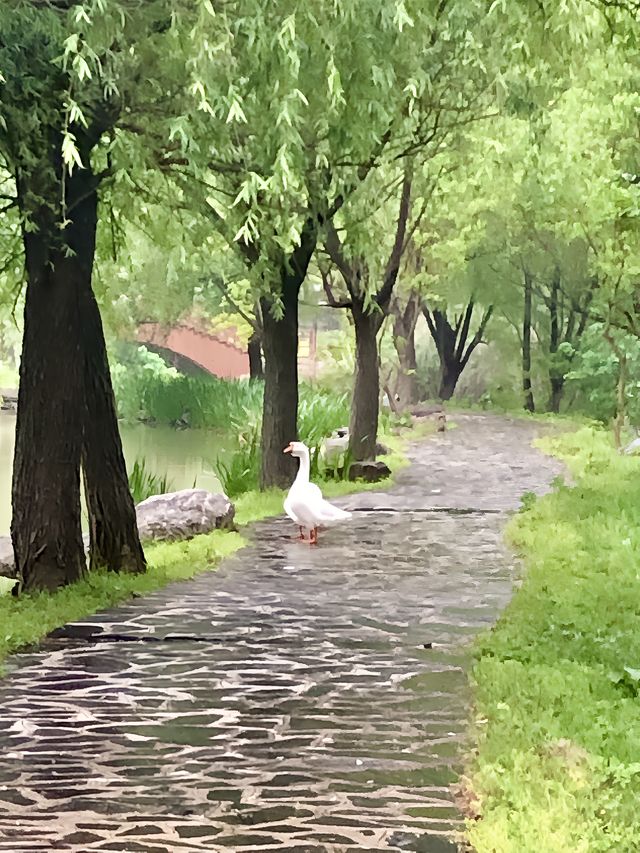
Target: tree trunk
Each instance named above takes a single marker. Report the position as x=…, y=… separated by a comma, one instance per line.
x=280, y=347
x=113, y=529
x=556, y=378
x=621, y=402
x=621, y=388
x=254, y=350
x=449, y=375
x=404, y=330
x=407, y=381
x=45, y=527
x=363, y=428
x=557, y=393
x=529, y=404
x=280, y=405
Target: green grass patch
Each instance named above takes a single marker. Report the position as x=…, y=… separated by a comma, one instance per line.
x=26, y=620
x=29, y=618
x=558, y=678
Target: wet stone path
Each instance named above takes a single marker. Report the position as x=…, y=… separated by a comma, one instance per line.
x=287, y=701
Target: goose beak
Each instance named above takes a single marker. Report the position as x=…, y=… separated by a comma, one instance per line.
x=288, y=449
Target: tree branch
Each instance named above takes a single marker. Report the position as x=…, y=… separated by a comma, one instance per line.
x=393, y=265
x=327, y=286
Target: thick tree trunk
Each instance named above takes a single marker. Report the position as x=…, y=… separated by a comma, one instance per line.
x=280, y=347
x=67, y=411
x=45, y=528
x=254, y=350
x=280, y=405
x=113, y=529
x=363, y=429
x=529, y=404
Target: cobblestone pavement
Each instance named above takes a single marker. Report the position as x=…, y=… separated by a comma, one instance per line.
x=289, y=701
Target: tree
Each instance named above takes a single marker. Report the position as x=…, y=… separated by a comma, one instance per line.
x=60, y=106
x=368, y=309
x=453, y=345
x=292, y=125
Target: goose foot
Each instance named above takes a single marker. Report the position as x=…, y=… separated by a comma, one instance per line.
x=313, y=538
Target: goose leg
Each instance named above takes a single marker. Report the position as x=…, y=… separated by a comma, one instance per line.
x=302, y=536
x=313, y=540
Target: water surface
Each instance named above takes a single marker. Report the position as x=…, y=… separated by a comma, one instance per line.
x=185, y=456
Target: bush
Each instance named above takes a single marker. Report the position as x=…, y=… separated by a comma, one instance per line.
x=594, y=376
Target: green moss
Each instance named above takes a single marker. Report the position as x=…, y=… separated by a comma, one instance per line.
x=26, y=620
x=558, y=679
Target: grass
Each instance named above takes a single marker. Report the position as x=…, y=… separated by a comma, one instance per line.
x=28, y=619
x=558, y=679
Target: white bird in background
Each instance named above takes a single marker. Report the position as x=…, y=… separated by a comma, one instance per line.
x=304, y=503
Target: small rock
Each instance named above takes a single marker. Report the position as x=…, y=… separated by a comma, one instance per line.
x=183, y=515
x=370, y=471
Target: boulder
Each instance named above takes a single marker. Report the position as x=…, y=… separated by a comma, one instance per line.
x=7, y=565
x=178, y=515
x=370, y=471
x=183, y=515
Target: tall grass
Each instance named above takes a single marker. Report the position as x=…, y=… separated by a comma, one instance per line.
x=319, y=414
x=143, y=483
x=240, y=471
x=147, y=389
x=190, y=401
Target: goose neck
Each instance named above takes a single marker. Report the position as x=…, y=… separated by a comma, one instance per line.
x=304, y=469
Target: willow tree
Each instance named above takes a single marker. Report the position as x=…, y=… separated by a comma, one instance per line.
x=70, y=71
x=297, y=106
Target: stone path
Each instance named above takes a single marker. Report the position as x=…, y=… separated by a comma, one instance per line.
x=289, y=701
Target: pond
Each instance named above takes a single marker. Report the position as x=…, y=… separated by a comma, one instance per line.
x=185, y=456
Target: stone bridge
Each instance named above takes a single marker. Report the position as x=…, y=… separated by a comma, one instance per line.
x=219, y=353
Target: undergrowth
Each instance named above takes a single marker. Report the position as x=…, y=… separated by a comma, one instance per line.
x=558, y=678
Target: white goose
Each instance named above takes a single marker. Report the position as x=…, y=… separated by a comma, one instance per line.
x=305, y=504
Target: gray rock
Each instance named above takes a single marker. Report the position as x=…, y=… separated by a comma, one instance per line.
x=7, y=565
x=183, y=515
x=370, y=471
x=382, y=450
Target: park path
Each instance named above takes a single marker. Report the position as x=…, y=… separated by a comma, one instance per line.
x=289, y=701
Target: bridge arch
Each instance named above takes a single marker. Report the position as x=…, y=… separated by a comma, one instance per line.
x=217, y=354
